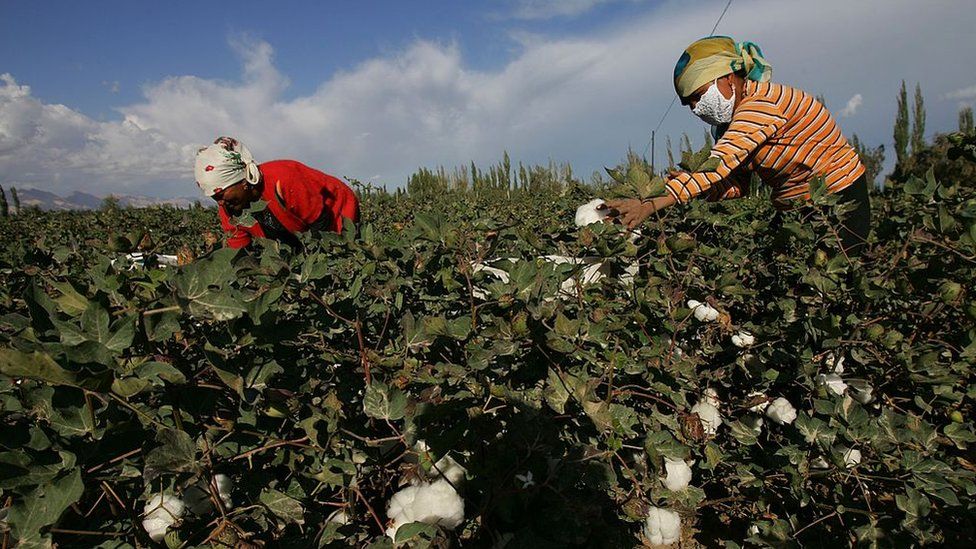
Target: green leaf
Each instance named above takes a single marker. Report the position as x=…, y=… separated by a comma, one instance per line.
x=42, y=508
x=176, y=453
x=40, y=366
x=382, y=402
x=283, y=506
x=415, y=531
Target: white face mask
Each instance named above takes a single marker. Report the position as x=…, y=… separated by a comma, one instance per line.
x=713, y=107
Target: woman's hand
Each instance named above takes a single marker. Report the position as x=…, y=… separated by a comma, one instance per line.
x=632, y=211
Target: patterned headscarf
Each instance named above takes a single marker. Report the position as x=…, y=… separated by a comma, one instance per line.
x=223, y=164
x=714, y=57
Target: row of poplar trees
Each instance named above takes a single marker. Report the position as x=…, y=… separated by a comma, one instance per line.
x=4, y=205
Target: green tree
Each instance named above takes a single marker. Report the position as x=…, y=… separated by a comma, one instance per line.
x=872, y=159
x=901, y=133
x=4, y=207
x=13, y=194
x=918, y=124
x=966, y=119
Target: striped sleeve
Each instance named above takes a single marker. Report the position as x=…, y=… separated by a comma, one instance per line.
x=754, y=122
x=736, y=185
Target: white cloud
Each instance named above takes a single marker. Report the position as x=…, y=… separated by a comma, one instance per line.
x=962, y=94
x=853, y=104
x=548, y=9
x=583, y=99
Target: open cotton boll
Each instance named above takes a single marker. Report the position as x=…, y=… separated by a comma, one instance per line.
x=663, y=526
x=338, y=517
x=743, y=339
x=703, y=312
x=710, y=396
x=781, y=411
x=762, y=405
x=591, y=212
x=678, y=474
x=833, y=383
x=429, y=502
x=709, y=415
x=160, y=513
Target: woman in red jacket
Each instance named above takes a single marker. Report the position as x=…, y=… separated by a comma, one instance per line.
x=299, y=198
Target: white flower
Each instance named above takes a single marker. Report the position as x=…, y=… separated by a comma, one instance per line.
x=161, y=512
x=428, y=502
x=526, y=479
x=743, y=339
x=197, y=497
x=709, y=415
x=678, y=474
x=833, y=383
x=591, y=212
x=663, y=526
x=781, y=411
x=852, y=457
x=702, y=311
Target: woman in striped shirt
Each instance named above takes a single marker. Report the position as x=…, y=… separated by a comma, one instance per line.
x=780, y=133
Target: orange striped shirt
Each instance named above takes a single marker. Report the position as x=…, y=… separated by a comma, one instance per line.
x=786, y=137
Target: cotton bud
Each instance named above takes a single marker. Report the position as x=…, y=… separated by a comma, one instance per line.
x=678, y=474
x=593, y=211
x=833, y=383
x=743, y=339
x=702, y=311
x=160, y=513
x=709, y=415
x=663, y=526
x=781, y=411
x=429, y=502
x=852, y=457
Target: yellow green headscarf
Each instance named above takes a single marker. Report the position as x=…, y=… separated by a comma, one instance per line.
x=714, y=57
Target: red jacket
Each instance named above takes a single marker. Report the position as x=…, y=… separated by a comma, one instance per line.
x=297, y=196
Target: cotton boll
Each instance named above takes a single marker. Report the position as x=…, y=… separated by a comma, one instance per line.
x=429, y=502
x=591, y=212
x=743, y=339
x=702, y=311
x=709, y=415
x=663, y=526
x=160, y=513
x=833, y=383
x=678, y=474
x=781, y=411
x=197, y=497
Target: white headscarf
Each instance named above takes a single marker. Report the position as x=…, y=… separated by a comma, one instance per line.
x=223, y=164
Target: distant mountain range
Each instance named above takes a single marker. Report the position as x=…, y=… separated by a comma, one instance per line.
x=83, y=201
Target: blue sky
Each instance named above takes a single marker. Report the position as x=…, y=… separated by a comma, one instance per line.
x=116, y=96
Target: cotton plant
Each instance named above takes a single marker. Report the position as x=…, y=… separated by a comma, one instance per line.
x=427, y=502
x=160, y=513
x=662, y=526
x=781, y=411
